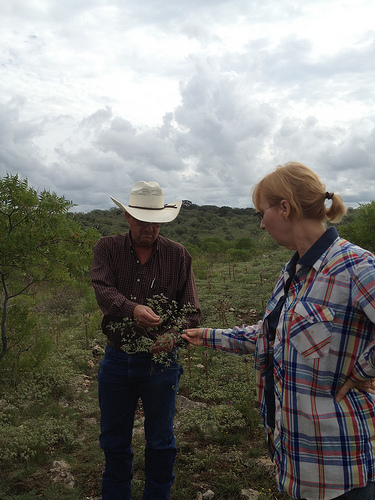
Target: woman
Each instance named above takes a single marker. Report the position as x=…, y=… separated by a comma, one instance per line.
x=315, y=347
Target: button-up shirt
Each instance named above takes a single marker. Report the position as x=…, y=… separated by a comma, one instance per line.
x=325, y=334
x=121, y=282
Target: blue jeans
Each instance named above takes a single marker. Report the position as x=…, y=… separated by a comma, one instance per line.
x=366, y=493
x=123, y=379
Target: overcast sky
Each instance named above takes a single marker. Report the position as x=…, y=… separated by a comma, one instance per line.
x=203, y=96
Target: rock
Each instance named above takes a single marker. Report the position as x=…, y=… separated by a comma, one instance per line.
x=208, y=495
x=90, y=421
x=184, y=404
x=250, y=494
x=97, y=350
x=61, y=474
x=84, y=383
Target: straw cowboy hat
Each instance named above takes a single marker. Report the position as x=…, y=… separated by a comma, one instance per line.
x=146, y=203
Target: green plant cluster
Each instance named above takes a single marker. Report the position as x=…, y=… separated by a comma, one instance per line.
x=359, y=226
x=167, y=335
x=32, y=423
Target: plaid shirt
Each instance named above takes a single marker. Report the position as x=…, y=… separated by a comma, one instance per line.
x=325, y=334
x=121, y=282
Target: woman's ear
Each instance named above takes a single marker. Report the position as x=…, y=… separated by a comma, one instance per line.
x=285, y=208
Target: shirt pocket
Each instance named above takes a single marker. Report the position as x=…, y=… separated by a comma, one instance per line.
x=158, y=288
x=311, y=329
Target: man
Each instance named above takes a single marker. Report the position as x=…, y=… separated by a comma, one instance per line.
x=127, y=270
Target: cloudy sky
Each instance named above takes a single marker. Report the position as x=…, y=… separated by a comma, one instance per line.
x=203, y=96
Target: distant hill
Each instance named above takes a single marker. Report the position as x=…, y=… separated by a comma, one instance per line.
x=193, y=223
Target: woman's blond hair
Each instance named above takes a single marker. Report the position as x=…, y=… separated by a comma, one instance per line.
x=304, y=190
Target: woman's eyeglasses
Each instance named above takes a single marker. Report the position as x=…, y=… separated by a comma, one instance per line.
x=260, y=214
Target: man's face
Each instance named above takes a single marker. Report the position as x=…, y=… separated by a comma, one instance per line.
x=143, y=233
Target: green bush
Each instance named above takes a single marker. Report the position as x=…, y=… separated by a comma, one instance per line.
x=239, y=255
x=361, y=227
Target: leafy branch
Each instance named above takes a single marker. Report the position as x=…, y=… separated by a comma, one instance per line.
x=166, y=336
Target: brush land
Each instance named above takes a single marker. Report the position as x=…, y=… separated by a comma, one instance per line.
x=48, y=392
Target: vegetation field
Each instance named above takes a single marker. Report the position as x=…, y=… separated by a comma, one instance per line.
x=49, y=411
x=51, y=346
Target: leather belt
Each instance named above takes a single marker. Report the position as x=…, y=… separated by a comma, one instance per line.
x=117, y=346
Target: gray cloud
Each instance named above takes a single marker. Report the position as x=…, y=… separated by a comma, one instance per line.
x=203, y=97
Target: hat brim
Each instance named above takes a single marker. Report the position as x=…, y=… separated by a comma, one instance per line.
x=166, y=214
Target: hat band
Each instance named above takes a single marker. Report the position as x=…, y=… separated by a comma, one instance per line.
x=152, y=208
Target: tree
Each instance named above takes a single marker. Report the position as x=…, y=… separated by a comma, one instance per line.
x=361, y=227
x=244, y=244
x=39, y=243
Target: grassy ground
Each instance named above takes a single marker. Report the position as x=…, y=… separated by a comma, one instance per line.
x=52, y=414
x=220, y=445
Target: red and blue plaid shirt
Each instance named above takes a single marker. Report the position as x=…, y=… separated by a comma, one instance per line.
x=325, y=334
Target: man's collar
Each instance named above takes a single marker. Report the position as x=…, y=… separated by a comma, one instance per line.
x=130, y=242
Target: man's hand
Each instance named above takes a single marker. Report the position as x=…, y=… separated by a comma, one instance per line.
x=365, y=385
x=145, y=316
x=193, y=336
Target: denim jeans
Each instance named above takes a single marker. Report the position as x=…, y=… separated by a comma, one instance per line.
x=123, y=379
x=366, y=493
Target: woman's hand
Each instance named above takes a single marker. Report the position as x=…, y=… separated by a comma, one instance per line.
x=193, y=336
x=365, y=385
